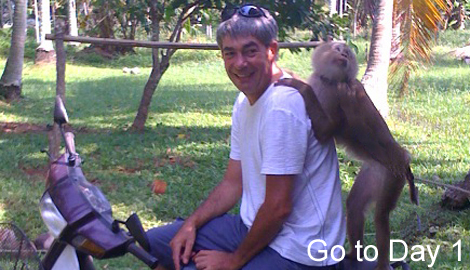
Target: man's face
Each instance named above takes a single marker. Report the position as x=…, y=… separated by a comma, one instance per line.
x=248, y=64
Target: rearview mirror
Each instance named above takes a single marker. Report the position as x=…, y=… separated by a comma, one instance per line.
x=60, y=114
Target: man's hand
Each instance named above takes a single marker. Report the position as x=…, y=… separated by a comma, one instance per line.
x=216, y=260
x=182, y=244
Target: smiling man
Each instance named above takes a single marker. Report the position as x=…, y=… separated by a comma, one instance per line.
x=288, y=183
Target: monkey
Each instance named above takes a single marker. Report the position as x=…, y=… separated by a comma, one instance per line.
x=339, y=107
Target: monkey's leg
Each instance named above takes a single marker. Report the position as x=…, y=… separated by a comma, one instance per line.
x=386, y=202
x=360, y=197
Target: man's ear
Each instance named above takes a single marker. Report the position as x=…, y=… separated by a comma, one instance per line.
x=273, y=49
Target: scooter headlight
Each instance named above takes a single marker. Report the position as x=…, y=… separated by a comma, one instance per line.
x=51, y=216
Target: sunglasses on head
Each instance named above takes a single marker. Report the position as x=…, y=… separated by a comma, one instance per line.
x=248, y=10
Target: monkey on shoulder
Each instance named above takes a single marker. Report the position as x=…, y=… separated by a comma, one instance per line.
x=339, y=107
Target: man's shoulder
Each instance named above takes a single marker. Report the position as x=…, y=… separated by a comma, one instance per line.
x=286, y=97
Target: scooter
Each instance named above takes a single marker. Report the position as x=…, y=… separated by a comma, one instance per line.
x=79, y=216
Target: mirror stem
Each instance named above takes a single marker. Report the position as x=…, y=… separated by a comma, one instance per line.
x=68, y=148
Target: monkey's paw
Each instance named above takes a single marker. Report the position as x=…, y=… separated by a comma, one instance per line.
x=344, y=90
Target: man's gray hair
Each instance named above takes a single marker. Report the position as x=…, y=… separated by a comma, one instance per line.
x=263, y=28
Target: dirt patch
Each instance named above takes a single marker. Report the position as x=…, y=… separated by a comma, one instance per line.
x=18, y=128
x=7, y=127
x=173, y=158
x=40, y=171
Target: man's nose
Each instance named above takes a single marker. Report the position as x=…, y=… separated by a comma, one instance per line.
x=240, y=61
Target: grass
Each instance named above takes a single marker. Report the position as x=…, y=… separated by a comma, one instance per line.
x=186, y=140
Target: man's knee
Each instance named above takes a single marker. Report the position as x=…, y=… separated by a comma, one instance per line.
x=159, y=238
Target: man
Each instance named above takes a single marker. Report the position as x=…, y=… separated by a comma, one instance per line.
x=288, y=183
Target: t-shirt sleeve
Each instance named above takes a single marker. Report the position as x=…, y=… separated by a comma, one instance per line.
x=284, y=143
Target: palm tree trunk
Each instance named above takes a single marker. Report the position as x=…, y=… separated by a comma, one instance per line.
x=10, y=83
x=73, y=25
x=45, y=52
x=36, y=22
x=375, y=77
x=333, y=7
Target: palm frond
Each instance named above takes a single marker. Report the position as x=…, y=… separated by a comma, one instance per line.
x=420, y=21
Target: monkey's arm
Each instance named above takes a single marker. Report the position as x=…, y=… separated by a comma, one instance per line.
x=323, y=125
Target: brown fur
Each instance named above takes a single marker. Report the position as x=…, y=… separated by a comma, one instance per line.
x=354, y=122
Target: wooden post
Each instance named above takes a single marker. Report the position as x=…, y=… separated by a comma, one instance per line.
x=54, y=136
x=61, y=57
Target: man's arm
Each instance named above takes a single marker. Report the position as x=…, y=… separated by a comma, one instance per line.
x=224, y=196
x=267, y=224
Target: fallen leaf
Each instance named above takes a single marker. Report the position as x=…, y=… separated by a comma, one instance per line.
x=159, y=186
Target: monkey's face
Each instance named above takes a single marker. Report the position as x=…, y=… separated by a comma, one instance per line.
x=335, y=61
x=340, y=58
x=248, y=64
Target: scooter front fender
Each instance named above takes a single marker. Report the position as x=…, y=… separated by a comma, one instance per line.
x=60, y=256
x=67, y=260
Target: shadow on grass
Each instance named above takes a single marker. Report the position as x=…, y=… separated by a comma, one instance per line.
x=98, y=102
x=141, y=58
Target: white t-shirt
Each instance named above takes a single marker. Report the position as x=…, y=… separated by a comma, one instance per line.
x=274, y=136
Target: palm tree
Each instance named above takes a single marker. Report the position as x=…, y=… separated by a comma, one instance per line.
x=10, y=83
x=419, y=19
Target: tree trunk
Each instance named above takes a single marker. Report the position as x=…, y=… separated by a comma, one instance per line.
x=209, y=31
x=10, y=83
x=341, y=8
x=455, y=199
x=161, y=62
x=36, y=22
x=1, y=13
x=73, y=24
x=149, y=90
x=461, y=17
x=355, y=21
x=375, y=77
x=54, y=135
x=45, y=52
x=10, y=12
x=155, y=75
x=333, y=7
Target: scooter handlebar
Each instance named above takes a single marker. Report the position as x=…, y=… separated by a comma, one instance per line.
x=142, y=255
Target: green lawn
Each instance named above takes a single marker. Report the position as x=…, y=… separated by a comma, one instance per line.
x=189, y=122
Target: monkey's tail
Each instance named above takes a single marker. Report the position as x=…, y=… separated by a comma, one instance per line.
x=414, y=196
